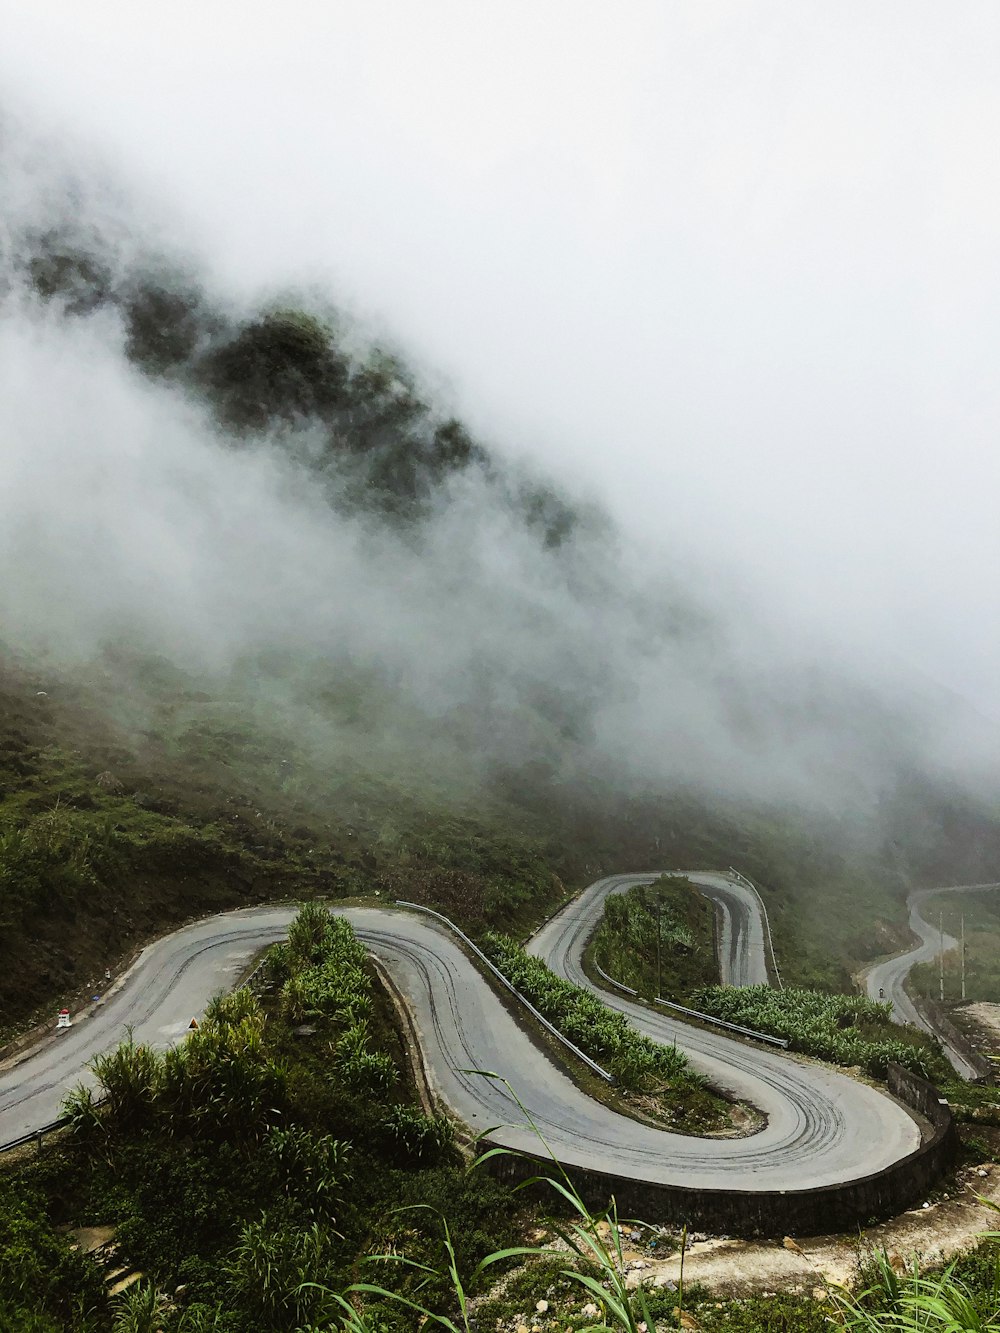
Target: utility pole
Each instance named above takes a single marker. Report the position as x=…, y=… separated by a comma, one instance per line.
x=963, y=955
x=941, y=954
x=659, y=950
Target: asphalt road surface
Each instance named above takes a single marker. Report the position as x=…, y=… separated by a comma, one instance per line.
x=822, y=1127
x=741, y=938
x=888, y=980
x=741, y=926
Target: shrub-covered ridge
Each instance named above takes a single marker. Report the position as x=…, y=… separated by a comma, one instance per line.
x=845, y=1029
x=600, y=1032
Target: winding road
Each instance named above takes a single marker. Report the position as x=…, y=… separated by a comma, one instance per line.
x=741, y=937
x=887, y=980
x=822, y=1127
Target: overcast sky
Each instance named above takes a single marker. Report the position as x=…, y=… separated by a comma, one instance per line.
x=733, y=266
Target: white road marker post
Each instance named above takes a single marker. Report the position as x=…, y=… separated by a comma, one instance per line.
x=64, y=1020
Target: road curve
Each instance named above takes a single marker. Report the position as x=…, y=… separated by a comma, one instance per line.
x=741, y=939
x=823, y=1128
x=741, y=954
x=888, y=980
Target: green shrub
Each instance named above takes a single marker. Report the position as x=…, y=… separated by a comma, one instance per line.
x=602, y=1033
x=844, y=1029
x=140, y=1309
x=313, y=1169
x=130, y=1078
x=230, y=1009
x=40, y=1273
x=362, y=1070
x=282, y=365
x=221, y=1081
x=52, y=861
x=274, y=1271
x=416, y=1137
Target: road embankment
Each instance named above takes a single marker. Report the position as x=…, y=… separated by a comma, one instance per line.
x=749, y=1213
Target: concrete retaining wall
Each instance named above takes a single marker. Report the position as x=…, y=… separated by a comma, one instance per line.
x=773, y=1212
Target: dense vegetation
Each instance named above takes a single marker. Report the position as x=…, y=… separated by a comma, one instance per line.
x=248, y=1160
x=849, y=1030
x=188, y=802
x=109, y=835
x=602, y=1033
x=286, y=366
x=845, y=1029
x=280, y=1279
x=655, y=1078
x=661, y=932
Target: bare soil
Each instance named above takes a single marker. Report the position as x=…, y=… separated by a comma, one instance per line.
x=981, y=1019
x=935, y=1231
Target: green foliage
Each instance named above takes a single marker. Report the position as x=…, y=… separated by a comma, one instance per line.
x=51, y=861
x=276, y=1274
x=40, y=1277
x=162, y=325
x=911, y=1302
x=845, y=1029
x=362, y=1069
x=219, y=1082
x=416, y=1137
x=222, y=1082
x=314, y=935
x=22, y=1319
x=178, y=1205
x=629, y=915
x=83, y=1110
x=141, y=1308
x=670, y=912
x=313, y=1169
x=129, y=1078
x=281, y=365
x=232, y=1008
x=327, y=970
x=777, y=1312
x=603, y=1034
x=979, y=914
x=204, y=1318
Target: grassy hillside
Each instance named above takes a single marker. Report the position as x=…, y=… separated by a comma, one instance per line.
x=125, y=812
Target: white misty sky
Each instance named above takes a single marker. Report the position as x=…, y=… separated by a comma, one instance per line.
x=733, y=266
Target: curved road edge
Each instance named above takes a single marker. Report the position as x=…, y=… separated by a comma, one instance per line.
x=887, y=980
x=824, y=1130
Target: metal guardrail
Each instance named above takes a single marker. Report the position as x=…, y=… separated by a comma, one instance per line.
x=549, y=1027
x=695, y=1013
x=35, y=1136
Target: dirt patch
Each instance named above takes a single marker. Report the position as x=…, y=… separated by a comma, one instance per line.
x=732, y=1268
x=91, y=1239
x=981, y=1019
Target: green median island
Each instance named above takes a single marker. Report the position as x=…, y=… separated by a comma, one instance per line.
x=664, y=932
x=651, y=1079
